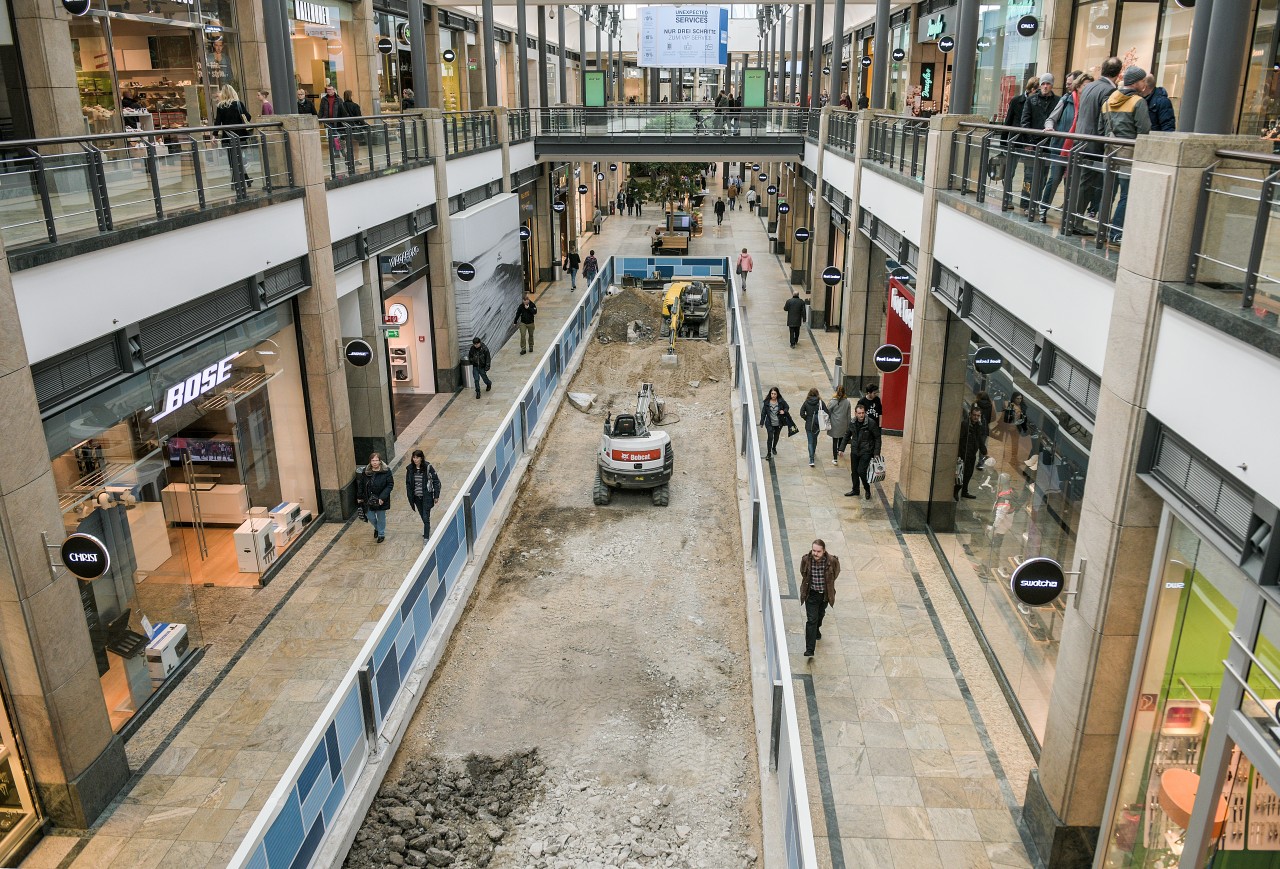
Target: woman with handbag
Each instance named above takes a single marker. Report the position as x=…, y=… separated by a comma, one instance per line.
x=839, y=412
x=812, y=412
x=232, y=114
x=864, y=445
x=743, y=268
x=774, y=415
x=1014, y=427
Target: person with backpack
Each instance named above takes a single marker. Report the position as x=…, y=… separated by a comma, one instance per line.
x=373, y=494
x=590, y=267
x=422, y=485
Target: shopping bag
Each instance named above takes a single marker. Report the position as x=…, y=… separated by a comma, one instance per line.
x=360, y=514
x=824, y=419
x=959, y=470
x=875, y=470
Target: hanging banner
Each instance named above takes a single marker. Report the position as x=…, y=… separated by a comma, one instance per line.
x=594, y=95
x=683, y=37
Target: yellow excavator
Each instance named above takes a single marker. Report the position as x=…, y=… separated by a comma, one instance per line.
x=686, y=311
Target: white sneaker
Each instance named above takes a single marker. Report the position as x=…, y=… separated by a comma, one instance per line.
x=811, y=464
x=835, y=461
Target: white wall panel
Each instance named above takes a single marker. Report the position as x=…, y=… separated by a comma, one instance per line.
x=1070, y=304
x=474, y=170
x=349, y=280
x=522, y=157
x=366, y=204
x=896, y=204
x=837, y=170
x=71, y=301
x=810, y=155
x=1219, y=394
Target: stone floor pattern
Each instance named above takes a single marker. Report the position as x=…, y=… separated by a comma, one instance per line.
x=913, y=758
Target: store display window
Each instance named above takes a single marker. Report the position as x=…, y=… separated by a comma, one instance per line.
x=1197, y=599
x=1260, y=113
x=395, y=70
x=406, y=303
x=19, y=816
x=899, y=70
x=1026, y=495
x=197, y=475
x=451, y=71
x=323, y=46
x=1005, y=58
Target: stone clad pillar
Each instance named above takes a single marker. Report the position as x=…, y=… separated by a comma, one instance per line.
x=1120, y=514
x=43, y=35
x=77, y=762
x=321, y=328
x=434, y=74
x=367, y=60
x=368, y=386
x=857, y=260
x=504, y=136
x=444, y=307
x=545, y=218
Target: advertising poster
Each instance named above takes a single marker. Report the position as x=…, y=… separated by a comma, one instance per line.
x=899, y=325
x=679, y=37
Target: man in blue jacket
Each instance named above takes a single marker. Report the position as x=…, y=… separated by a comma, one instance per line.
x=1159, y=106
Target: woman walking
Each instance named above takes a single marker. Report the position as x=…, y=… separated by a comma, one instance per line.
x=810, y=413
x=743, y=268
x=231, y=113
x=774, y=414
x=590, y=266
x=1014, y=427
x=373, y=493
x=422, y=485
x=839, y=411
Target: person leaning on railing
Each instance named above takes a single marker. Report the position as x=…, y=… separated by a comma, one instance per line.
x=1063, y=120
x=1089, y=123
x=1125, y=116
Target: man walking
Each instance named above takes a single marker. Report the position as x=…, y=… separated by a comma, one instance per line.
x=1125, y=116
x=719, y=210
x=524, y=322
x=794, y=307
x=818, y=573
x=479, y=358
x=973, y=446
x=1089, y=123
x=864, y=445
x=571, y=263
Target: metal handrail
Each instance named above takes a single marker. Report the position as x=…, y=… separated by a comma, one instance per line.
x=374, y=131
x=1251, y=269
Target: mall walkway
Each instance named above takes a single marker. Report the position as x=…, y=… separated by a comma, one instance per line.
x=209, y=757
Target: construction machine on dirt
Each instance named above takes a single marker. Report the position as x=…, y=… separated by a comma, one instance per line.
x=686, y=311
x=632, y=455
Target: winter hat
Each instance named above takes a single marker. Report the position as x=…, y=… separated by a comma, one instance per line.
x=1047, y=78
x=1133, y=75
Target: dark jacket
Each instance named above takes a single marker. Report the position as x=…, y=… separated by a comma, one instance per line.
x=973, y=439
x=719, y=206
x=1124, y=115
x=874, y=406
x=479, y=356
x=306, y=107
x=231, y=116
x=573, y=260
x=407, y=103
x=430, y=485
x=1089, y=122
x=1013, y=117
x=590, y=267
x=1064, y=113
x=1161, y=109
x=864, y=438
x=833, y=573
x=809, y=413
x=351, y=109
x=784, y=413
x=332, y=107
x=794, y=307
x=988, y=410
x=373, y=488
x=1036, y=110
x=525, y=313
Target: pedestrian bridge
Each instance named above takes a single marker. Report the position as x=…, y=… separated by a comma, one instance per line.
x=679, y=131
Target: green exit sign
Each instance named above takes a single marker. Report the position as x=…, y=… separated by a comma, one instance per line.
x=393, y=333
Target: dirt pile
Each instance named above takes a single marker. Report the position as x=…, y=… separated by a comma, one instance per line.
x=442, y=813
x=622, y=311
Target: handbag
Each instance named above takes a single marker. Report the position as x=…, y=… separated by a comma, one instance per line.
x=875, y=470
x=959, y=471
x=824, y=419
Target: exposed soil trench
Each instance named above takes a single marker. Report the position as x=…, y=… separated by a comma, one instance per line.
x=593, y=708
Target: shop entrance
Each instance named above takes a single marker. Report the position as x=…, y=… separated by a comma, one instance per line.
x=407, y=313
x=19, y=818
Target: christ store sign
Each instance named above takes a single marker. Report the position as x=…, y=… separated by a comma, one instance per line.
x=899, y=325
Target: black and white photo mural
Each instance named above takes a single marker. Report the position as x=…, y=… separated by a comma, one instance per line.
x=487, y=237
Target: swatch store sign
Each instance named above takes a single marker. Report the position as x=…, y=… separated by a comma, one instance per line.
x=899, y=326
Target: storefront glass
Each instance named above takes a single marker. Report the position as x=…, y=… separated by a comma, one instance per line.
x=1005, y=58
x=451, y=82
x=197, y=475
x=899, y=70
x=1199, y=594
x=161, y=70
x=1173, y=48
x=395, y=70
x=323, y=46
x=1260, y=112
x=406, y=301
x=1027, y=494
x=19, y=819
x=837, y=239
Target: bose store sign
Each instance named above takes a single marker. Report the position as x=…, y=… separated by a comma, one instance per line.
x=196, y=385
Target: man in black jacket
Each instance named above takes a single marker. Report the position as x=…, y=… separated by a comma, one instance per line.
x=1016, y=143
x=1035, y=112
x=864, y=445
x=794, y=307
x=479, y=358
x=973, y=446
x=524, y=322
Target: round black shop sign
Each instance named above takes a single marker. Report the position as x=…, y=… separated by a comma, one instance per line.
x=802, y=234
x=783, y=208
x=826, y=70
x=1037, y=581
x=984, y=42
x=613, y=167
x=866, y=62
x=559, y=206
x=76, y=8
x=772, y=190
x=599, y=176
x=945, y=44
x=466, y=271
x=582, y=188
x=987, y=360
x=764, y=176
x=899, y=54
x=85, y=555
x=755, y=167
x=525, y=232
x=844, y=67
x=449, y=55
x=358, y=353
x=1028, y=25
x=385, y=45
x=888, y=358
x=831, y=276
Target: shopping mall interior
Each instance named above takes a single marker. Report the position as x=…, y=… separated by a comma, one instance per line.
x=322, y=309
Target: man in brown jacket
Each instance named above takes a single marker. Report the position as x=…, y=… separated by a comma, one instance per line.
x=818, y=573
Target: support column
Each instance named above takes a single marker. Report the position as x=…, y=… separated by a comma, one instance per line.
x=368, y=387
x=1189, y=107
x=278, y=32
x=490, y=52
x=780, y=87
x=964, y=67
x=564, y=59
x=364, y=25
x=1229, y=34
x=854, y=320
x=251, y=33
x=544, y=195
x=433, y=72
x=837, y=47
x=582, y=58
x=793, y=80
x=440, y=269
x=421, y=56
x=805, y=52
x=321, y=328
x=1119, y=517
x=544, y=96
x=522, y=50
x=77, y=762
x=880, y=60
x=815, y=60
x=610, y=93
x=819, y=246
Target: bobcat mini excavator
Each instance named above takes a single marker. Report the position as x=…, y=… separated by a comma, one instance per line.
x=631, y=455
